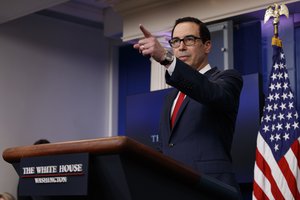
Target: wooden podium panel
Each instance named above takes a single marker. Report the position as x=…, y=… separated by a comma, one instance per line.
x=122, y=168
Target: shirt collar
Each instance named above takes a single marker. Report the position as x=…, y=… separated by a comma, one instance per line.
x=205, y=69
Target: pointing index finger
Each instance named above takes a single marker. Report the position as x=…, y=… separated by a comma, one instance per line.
x=145, y=31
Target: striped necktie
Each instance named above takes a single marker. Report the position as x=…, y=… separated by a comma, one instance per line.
x=176, y=108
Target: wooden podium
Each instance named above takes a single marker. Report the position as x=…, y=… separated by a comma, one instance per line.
x=121, y=168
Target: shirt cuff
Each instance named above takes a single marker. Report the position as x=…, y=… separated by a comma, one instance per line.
x=171, y=67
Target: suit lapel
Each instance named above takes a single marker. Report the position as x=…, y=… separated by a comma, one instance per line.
x=181, y=110
x=169, y=103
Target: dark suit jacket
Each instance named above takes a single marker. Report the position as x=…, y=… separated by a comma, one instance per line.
x=204, y=127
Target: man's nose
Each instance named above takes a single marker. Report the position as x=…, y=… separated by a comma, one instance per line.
x=182, y=46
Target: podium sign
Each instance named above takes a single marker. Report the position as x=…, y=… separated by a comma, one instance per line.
x=58, y=175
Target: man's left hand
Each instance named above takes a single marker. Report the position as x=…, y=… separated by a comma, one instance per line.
x=149, y=45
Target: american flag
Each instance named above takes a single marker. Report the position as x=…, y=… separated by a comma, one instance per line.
x=277, y=165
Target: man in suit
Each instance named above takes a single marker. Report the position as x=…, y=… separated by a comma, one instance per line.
x=201, y=134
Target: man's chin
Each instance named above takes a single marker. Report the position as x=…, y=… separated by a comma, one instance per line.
x=186, y=61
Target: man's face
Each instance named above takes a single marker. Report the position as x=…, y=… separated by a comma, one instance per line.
x=196, y=55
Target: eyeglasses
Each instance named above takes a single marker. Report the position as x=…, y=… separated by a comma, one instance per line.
x=187, y=41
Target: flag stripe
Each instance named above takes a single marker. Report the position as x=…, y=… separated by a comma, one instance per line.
x=296, y=149
x=258, y=192
x=259, y=178
x=297, y=154
x=287, y=173
x=266, y=170
x=275, y=174
x=292, y=161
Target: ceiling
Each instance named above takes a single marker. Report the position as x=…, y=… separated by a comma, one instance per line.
x=93, y=10
x=86, y=9
x=13, y=9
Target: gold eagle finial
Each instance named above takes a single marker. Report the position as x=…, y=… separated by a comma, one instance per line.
x=276, y=13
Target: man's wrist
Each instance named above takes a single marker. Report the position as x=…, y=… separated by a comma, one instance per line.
x=167, y=58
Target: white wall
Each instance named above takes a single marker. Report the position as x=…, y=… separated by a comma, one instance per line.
x=55, y=83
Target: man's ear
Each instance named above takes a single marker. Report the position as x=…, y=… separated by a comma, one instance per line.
x=207, y=46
